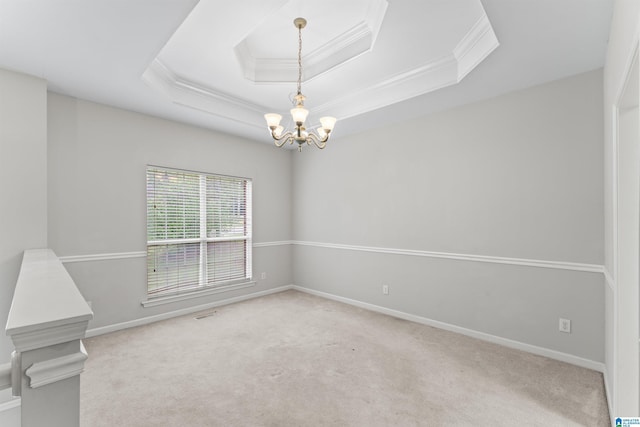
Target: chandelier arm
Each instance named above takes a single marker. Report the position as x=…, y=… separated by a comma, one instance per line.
x=282, y=139
x=317, y=141
x=320, y=144
x=282, y=136
x=280, y=144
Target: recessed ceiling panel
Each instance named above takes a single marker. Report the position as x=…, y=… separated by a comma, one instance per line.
x=269, y=53
x=357, y=56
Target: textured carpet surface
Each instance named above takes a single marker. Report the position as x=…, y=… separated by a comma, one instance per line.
x=292, y=359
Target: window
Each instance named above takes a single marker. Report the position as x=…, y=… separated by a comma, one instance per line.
x=198, y=231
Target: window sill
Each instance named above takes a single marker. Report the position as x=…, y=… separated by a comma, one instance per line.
x=195, y=294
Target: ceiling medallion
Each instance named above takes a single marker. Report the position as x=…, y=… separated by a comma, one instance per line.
x=299, y=114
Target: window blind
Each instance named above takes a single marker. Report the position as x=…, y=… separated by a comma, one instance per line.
x=198, y=230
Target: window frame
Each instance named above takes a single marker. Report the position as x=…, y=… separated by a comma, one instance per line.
x=205, y=284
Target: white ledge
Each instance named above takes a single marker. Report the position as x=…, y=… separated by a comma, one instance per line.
x=47, y=307
x=58, y=369
x=195, y=293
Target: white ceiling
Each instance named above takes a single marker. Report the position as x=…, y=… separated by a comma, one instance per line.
x=221, y=64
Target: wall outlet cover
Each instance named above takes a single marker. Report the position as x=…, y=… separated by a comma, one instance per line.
x=564, y=325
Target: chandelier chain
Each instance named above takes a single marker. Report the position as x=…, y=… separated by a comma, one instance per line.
x=299, y=134
x=299, y=59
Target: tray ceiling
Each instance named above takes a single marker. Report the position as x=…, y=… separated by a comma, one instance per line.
x=222, y=65
x=364, y=58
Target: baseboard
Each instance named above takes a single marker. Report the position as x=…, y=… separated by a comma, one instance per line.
x=540, y=351
x=607, y=391
x=10, y=412
x=10, y=404
x=150, y=319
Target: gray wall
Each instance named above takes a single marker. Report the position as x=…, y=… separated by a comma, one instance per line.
x=23, y=193
x=97, y=157
x=518, y=176
x=23, y=185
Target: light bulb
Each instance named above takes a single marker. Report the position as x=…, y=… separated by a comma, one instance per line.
x=272, y=119
x=299, y=114
x=328, y=123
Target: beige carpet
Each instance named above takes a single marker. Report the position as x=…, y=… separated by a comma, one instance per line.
x=293, y=359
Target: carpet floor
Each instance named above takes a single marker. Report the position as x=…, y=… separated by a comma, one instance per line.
x=293, y=359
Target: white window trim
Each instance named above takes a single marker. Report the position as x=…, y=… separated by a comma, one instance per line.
x=204, y=288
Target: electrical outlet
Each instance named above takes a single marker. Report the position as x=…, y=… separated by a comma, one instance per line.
x=385, y=289
x=263, y=276
x=564, y=325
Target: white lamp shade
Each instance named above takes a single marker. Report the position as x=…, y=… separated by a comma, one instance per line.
x=327, y=123
x=273, y=119
x=278, y=131
x=299, y=114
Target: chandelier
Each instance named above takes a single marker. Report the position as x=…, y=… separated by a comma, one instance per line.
x=299, y=114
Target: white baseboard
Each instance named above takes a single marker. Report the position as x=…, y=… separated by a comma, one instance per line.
x=607, y=391
x=10, y=404
x=10, y=413
x=540, y=351
x=150, y=319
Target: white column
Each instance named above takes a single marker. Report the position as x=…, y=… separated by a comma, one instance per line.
x=47, y=320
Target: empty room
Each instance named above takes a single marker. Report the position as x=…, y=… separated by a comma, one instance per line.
x=310, y=213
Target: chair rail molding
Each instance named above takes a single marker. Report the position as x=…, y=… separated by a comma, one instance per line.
x=142, y=254
x=558, y=265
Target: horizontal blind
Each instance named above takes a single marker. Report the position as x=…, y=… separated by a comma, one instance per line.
x=227, y=219
x=226, y=207
x=173, y=268
x=226, y=261
x=173, y=205
x=198, y=230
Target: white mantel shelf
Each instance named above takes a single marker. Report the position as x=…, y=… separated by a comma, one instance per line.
x=47, y=308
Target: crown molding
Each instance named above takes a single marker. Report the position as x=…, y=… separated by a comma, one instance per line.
x=346, y=46
x=439, y=73
x=429, y=76
x=343, y=48
x=475, y=46
x=180, y=90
